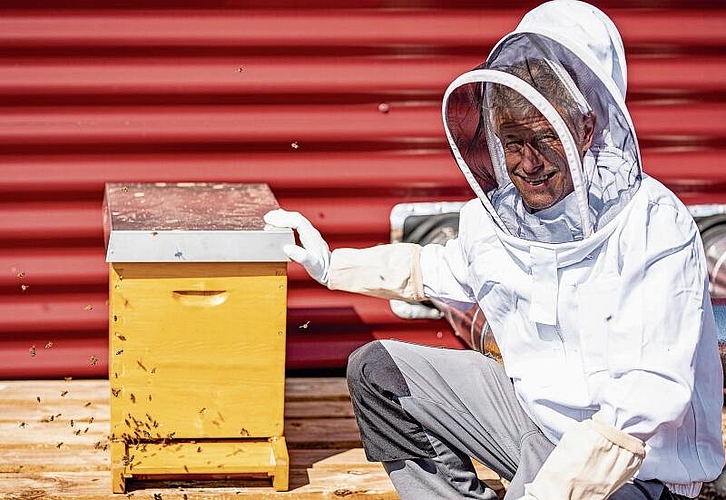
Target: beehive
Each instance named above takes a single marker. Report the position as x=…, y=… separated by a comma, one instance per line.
x=197, y=296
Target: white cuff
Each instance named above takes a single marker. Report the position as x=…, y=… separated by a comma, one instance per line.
x=386, y=271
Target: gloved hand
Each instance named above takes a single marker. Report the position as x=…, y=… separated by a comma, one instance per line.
x=314, y=255
x=592, y=460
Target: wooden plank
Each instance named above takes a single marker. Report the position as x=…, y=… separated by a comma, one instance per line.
x=296, y=389
x=309, y=389
x=17, y=412
x=97, y=486
x=74, y=459
x=26, y=460
x=49, y=435
x=30, y=411
x=302, y=433
x=27, y=390
x=321, y=409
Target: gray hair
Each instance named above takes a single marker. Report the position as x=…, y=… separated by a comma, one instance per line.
x=556, y=86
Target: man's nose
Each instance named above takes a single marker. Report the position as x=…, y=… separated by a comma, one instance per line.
x=532, y=159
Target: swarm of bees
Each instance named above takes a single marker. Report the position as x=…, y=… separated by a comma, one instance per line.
x=71, y=421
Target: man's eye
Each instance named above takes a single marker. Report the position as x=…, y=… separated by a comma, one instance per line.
x=548, y=138
x=513, y=146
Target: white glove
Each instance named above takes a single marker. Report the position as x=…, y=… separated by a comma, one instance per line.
x=314, y=255
x=592, y=460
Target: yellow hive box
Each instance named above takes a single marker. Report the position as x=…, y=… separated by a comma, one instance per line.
x=198, y=292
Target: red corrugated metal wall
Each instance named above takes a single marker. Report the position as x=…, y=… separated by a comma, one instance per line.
x=334, y=104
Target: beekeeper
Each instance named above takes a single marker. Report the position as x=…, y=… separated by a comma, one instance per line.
x=590, y=273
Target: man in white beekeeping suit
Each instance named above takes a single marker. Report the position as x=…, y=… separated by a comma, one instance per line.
x=590, y=273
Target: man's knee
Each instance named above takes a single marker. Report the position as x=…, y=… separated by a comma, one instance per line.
x=358, y=360
x=376, y=386
x=371, y=369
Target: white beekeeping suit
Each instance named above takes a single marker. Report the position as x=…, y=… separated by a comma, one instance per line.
x=601, y=306
x=599, y=303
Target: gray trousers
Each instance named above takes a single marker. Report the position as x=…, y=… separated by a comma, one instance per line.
x=424, y=411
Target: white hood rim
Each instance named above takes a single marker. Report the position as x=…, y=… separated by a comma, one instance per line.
x=549, y=112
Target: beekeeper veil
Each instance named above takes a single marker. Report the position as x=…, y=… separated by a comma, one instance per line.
x=541, y=131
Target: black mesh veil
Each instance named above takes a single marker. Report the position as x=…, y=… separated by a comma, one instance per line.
x=532, y=75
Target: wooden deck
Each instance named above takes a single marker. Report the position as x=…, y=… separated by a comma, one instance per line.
x=54, y=444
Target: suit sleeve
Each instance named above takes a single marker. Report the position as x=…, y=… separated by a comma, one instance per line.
x=653, y=340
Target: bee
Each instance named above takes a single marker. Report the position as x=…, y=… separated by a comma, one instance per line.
x=119, y=352
x=48, y=345
x=38, y=398
x=119, y=336
x=88, y=307
x=72, y=423
x=64, y=393
x=24, y=287
x=305, y=325
x=77, y=432
x=32, y=351
x=59, y=445
x=187, y=470
x=199, y=449
x=93, y=360
x=90, y=420
x=141, y=365
x=23, y=424
x=21, y=274
x=244, y=432
x=67, y=379
x=132, y=397
x=149, y=397
x=87, y=404
x=115, y=392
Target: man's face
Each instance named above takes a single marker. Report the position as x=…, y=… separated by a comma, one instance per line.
x=535, y=158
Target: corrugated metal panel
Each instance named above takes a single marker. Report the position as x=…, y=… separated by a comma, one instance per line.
x=337, y=108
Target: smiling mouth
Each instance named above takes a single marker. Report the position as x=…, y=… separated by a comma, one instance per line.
x=537, y=181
